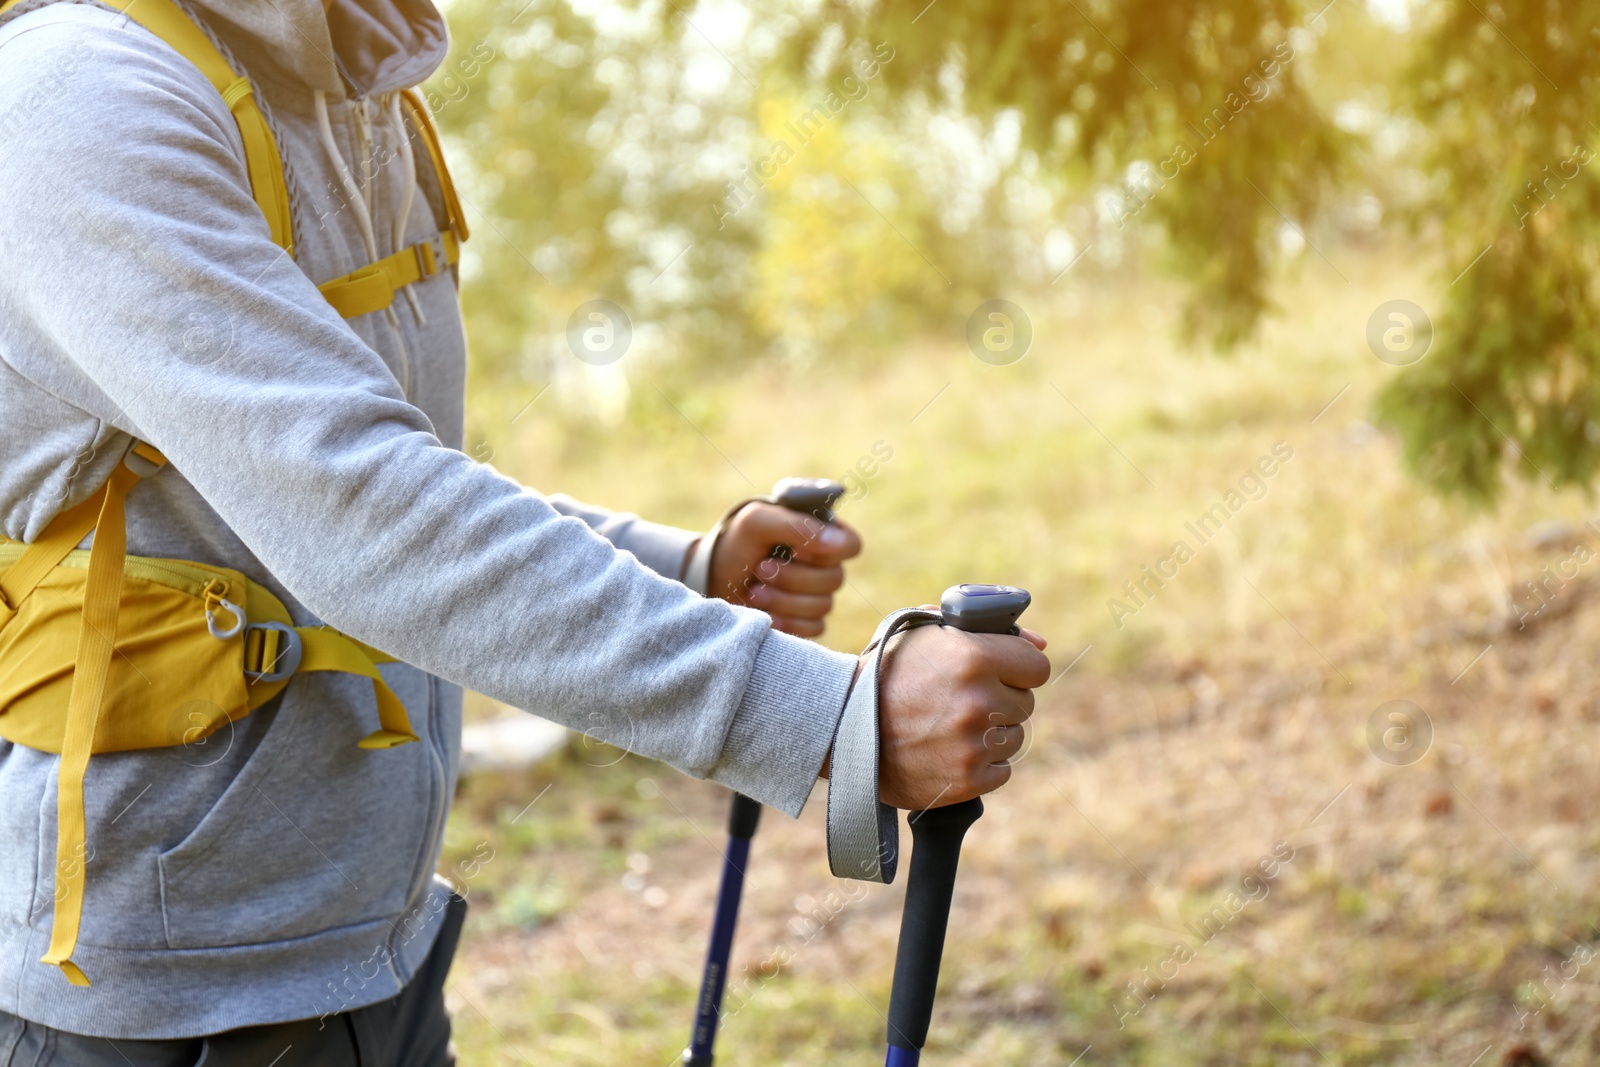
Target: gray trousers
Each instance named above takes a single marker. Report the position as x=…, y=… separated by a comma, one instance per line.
x=410, y=1030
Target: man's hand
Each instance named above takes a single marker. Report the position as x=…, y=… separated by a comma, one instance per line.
x=797, y=594
x=950, y=711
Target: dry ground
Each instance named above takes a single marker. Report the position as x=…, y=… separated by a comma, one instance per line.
x=1438, y=912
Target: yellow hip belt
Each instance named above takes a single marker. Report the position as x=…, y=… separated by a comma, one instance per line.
x=171, y=650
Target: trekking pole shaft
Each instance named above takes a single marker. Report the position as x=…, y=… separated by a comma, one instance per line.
x=814, y=497
x=936, y=852
x=743, y=816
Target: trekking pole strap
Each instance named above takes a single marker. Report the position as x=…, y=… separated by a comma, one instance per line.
x=863, y=831
x=697, y=569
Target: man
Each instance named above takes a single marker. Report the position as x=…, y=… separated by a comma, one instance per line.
x=271, y=892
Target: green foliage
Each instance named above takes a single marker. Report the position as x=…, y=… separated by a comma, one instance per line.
x=1193, y=111
x=584, y=179
x=967, y=149
x=1512, y=382
x=850, y=245
x=767, y=212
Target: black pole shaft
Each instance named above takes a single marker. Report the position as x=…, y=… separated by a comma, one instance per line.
x=936, y=852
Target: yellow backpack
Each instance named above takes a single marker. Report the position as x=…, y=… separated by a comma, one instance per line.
x=177, y=649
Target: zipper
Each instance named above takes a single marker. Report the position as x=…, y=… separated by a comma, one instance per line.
x=185, y=577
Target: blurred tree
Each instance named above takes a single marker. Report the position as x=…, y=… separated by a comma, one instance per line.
x=705, y=188
x=850, y=247
x=1189, y=110
x=590, y=167
x=836, y=173
x=1504, y=92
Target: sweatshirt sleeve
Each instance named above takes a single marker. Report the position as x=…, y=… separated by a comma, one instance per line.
x=126, y=220
x=664, y=549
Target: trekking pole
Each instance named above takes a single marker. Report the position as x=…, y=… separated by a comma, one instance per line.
x=814, y=497
x=937, y=833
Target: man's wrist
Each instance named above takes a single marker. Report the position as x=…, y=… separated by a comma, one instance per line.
x=784, y=726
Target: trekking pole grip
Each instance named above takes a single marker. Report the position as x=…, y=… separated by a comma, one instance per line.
x=937, y=834
x=808, y=496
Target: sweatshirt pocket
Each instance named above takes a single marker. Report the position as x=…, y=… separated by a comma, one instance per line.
x=314, y=833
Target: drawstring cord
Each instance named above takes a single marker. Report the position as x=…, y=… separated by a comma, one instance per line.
x=352, y=191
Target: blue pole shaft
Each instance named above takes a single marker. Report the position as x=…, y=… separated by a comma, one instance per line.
x=709, y=1006
x=903, y=1057
x=815, y=497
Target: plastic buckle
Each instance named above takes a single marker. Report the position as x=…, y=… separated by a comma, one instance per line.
x=289, y=655
x=139, y=465
x=431, y=255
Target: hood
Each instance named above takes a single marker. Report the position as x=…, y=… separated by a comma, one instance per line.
x=356, y=47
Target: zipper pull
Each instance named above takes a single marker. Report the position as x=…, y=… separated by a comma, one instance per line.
x=213, y=599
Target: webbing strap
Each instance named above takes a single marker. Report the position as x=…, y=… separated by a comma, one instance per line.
x=330, y=650
x=318, y=648
x=64, y=533
x=863, y=831
x=97, y=636
x=372, y=288
x=454, y=219
x=360, y=292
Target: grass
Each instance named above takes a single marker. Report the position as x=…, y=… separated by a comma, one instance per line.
x=1222, y=725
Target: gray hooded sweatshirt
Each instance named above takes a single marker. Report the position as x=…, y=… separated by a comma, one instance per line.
x=278, y=871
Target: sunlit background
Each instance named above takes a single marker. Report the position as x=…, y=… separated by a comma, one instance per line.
x=1287, y=419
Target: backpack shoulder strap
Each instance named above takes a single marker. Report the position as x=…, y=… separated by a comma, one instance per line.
x=164, y=19
x=369, y=289
x=372, y=287
x=167, y=21
x=417, y=111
